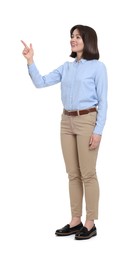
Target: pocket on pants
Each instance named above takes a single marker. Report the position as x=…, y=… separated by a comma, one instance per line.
x=89, y=118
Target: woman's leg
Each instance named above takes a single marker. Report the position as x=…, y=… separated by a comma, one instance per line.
x=83, y=127
x=87, y=162
x=70, y=154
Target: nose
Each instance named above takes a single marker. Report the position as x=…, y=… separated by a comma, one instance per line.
x=73, y=40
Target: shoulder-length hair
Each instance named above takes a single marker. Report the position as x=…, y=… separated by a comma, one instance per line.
x=89, y=37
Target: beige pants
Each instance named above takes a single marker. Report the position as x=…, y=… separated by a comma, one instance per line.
x=80, y=163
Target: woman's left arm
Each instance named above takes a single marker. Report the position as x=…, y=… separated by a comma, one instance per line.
x=101, y=85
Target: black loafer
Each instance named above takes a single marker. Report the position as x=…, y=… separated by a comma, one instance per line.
x=84, y=233
x=67, y=230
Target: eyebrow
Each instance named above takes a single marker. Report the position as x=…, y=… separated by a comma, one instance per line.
x=76, y=34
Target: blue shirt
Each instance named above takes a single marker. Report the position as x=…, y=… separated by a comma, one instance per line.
x=83, y=85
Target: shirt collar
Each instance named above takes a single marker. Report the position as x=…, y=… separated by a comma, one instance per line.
x=81, y=60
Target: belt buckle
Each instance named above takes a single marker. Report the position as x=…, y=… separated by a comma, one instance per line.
x=78, y=113
x=69, y=111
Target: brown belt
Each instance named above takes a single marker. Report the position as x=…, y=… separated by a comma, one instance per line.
x=79, y=112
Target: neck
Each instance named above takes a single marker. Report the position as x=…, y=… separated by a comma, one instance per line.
x=78, y=60
x=79, y=57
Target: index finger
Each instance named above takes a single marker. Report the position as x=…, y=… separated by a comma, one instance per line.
x=25, y=45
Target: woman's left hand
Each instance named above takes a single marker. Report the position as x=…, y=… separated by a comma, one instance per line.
x=94, y=141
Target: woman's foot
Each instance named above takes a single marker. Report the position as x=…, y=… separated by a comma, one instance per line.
x=75, y=221
x=72, y=228
x=89, y=224
x=67, y=230
x=84, y=233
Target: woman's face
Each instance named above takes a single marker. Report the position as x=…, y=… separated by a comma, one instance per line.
x=76, y=42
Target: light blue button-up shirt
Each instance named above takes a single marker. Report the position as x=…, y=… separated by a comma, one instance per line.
x=83, y=85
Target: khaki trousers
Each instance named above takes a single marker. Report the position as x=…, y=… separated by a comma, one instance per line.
x=80, y=163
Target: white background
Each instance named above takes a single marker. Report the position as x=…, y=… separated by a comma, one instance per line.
x=33, y=183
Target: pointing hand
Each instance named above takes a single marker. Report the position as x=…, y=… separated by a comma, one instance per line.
x=28, y=52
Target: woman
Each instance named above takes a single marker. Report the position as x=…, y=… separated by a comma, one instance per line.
x=84, y=98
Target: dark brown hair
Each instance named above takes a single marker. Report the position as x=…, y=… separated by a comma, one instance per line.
x=89, y=37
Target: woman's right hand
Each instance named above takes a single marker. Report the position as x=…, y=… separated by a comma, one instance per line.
x=28, y=52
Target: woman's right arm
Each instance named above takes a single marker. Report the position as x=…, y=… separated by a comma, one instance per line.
x=38, y=80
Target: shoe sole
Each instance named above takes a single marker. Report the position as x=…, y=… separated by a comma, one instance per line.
x=94, y=233
x=66, y=234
